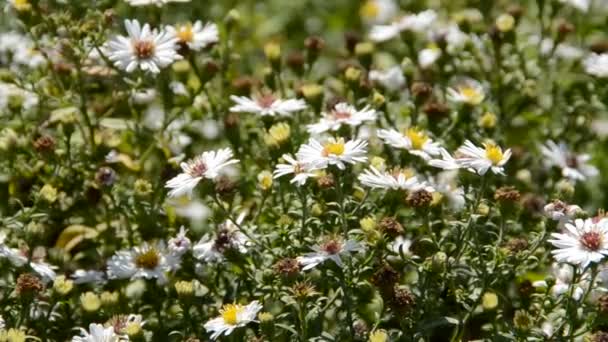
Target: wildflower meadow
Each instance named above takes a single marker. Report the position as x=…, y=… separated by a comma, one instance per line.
x=303, y=170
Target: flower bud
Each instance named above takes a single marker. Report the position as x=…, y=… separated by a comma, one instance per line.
x=184, y=288
x=109, y=299
x=272, y=51
x=265, y=180
x=90, y=302
x=48, y=193
x=62, y=285
x=505, y=23
x=365, y=52
x=487, y=120
x=489, y=301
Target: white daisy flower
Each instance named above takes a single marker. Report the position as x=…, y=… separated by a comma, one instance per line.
x=146, y=261
x=232, y=316
x=563, y=274
x=451, y=34
x=18, y=258
x=267, y=105
x=301, y=172
x=197, y=36
x=414, y=140
x=560, y=211
x=414, y=22
x=329, y=250
x=596, y=65
x=391, y=79
x=382, y=33
x=145, y=48
x=428, y=56
x=194, y=210
x=378, y=11
x=397, y=180
x=401, y=245
x=333, y=152
x=468, y=91
x=89, y=277
x=205, y=166
x=228, y=238
x=158, y=3
x=98, y=333
x=445, y=184
x=342, y=114
x=179, y=244
x=144, y=96
x=573, y=166
x=480, y=160
x=582, y=243
x=447, y=162
x=581, y=5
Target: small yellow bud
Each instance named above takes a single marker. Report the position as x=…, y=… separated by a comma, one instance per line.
x=142, y=187
x=184, y=288
x=378, y=336
x=265, y=317
x=483, y=209
x=133, y=329
x=278, y=134
x=265, y=180
x=368, y=224
x=378, y=99
x=487, y=120
x=311, y=91
x=489, y=301
x=378, y=162
x=48, y=193
x=272, y=51
x=505, y=23
x=352, y=74
x=12, y=335
x=90, y=302
x=364, y=49
x=62, y=285
x=109, y=298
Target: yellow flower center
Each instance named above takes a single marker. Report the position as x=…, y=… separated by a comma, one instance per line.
x=335, y=148
x=230, y=313
x=22, y=5
x=370, y=9
x=471, y=95
x=493, y=153
x=407, y=173
x=148, y=260
x=417, y=137
x=185, y=34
